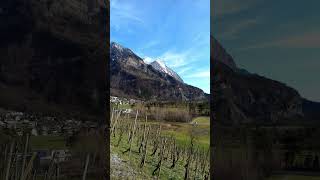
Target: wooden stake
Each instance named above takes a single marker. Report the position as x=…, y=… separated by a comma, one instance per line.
x=24, y=156
x=9, y=161
x=29, y=167
x=134, y=129
x=86, y=167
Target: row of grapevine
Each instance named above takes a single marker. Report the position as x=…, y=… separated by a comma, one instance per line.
x=148, y=141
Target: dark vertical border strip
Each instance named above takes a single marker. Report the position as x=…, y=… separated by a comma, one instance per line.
x=212, y=116
x=107, y=99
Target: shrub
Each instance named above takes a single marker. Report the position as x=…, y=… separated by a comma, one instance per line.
x=169, y=114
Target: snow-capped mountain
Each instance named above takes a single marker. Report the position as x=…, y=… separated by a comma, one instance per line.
x=160, y=66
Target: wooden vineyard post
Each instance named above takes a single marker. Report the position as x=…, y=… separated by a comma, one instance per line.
x=34, y=175
x=115, y=123
x=144, y=134
x=145, y=150
x=133, y=132
x=129, y=131
x=16, y=174
x=187, y=165
x=156, y=141
x=24, y=156
x=205, y=164
x=45, y=175
x=58, y=172
x=86, y=167
x=196, y=162
x=50, y=169
x=158, y=168
x=9, y=161
x=111, y=118
x=122, y=129
x=29, y=167
x=131, y=135
x=175, y=154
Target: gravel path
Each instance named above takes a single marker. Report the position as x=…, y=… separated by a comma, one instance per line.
x=120, y=169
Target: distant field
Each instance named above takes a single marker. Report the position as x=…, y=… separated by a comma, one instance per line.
x=47, y=142
x=181, y=131
x=124, y=106
x=203, y=120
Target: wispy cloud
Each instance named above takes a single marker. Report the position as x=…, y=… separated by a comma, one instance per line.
x=175, y=59
x=179, y=59
x=184, y=70
x=234, y=30
x=226, y=7
x=149, y=45
x=123, y=14
x=304, y=40
x=199, y=74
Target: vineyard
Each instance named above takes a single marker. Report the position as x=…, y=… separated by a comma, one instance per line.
x=149, y=149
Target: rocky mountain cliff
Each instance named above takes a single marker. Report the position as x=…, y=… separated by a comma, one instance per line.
x=53, y=55
x=162, y=67
x=220, y=54
x=248, y=98
x=132, y=77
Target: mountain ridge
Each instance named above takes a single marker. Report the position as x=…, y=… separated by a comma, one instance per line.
x=158, y=65
x=242, y=97
x=132, y=77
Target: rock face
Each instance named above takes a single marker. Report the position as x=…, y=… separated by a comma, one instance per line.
x=162, y=67
x=220, y=54
x=132, y=77
x=248, y=98
x=53, y=55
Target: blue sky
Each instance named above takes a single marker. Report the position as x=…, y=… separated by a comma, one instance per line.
x=276, y=39
x=175, y=31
